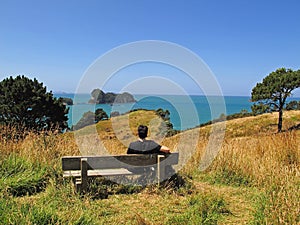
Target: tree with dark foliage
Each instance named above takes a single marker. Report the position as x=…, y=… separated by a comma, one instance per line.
x=293, y=105
x=275, y=89
x=165, y=115
x=100, y=114
x=26, y=104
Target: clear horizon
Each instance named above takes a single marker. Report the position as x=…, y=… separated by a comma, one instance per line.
x=155, y=94
x=241, y=42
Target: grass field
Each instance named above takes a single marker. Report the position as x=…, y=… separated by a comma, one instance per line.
x=255, y=178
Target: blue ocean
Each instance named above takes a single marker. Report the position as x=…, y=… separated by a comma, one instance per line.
x=185, y=111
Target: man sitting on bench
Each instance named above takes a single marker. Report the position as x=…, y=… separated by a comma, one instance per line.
x=143, y=146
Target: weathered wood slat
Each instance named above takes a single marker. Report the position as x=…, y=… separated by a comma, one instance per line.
x=120, y=161
x=96, y=173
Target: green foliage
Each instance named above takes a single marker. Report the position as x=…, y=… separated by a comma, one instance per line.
x=293, y=105
x=38, y=215
x=7, y=210
x=100, y=114
x=84, y=220
x=20, y=177
x=229, y=177
x=260, y=108
x=25, y=103
x=13, y=212
x=165, y=115
x=275, y=89
x=260, y=206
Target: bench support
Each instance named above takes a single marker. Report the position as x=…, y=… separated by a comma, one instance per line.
x=81, y=183
x=84, y=175
x=160, y=169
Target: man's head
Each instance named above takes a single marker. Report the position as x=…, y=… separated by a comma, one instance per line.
x=142, y=131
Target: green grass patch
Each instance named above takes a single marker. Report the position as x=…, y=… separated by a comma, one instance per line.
x=20, y=177
x=13, y=212
x=202, y=209
x=229, y=177
x=259, y=214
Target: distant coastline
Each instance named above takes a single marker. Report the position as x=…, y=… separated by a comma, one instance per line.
x=181, y=110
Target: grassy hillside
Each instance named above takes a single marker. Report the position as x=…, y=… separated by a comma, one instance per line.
x=255, y=178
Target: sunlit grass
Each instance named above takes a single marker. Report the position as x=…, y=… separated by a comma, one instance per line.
x=253, y=159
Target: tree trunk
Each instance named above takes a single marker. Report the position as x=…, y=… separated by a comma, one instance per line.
x=280, y=121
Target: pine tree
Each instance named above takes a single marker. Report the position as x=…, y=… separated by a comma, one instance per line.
x=26, y=104
x=274, y=90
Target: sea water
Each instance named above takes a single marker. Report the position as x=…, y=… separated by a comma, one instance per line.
x=185, y=111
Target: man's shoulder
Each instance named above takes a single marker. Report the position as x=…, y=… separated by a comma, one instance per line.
x=138, y=142
x=152, y=144
x=149, y=141
x=134, y=143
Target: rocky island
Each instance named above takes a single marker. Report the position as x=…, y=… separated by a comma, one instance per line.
x=100, y=97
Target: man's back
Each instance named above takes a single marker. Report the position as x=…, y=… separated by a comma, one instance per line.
x=143, y=147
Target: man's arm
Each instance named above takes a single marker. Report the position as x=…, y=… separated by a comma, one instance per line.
x=164, y=149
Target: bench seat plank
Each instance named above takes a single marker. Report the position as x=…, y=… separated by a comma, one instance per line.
x=112, y=162
x=96, y=173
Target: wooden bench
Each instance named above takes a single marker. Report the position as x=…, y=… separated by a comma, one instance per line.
x=83, y=167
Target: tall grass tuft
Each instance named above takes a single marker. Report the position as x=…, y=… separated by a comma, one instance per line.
x=201, y=209
x=20, y=177
x=269, y=162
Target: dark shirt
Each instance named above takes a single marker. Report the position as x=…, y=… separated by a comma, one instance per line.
x=143, y=147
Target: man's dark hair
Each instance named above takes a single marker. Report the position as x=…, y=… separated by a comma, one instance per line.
x=142, y=131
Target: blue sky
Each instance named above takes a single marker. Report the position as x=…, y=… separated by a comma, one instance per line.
x=241, y=41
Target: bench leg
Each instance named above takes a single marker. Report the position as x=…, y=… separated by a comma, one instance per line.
x=160, y=169
x=77, y=183
x=84, y=175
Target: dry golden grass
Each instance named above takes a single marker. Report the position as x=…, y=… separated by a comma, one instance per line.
x=268, y=160
x=252, y=155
